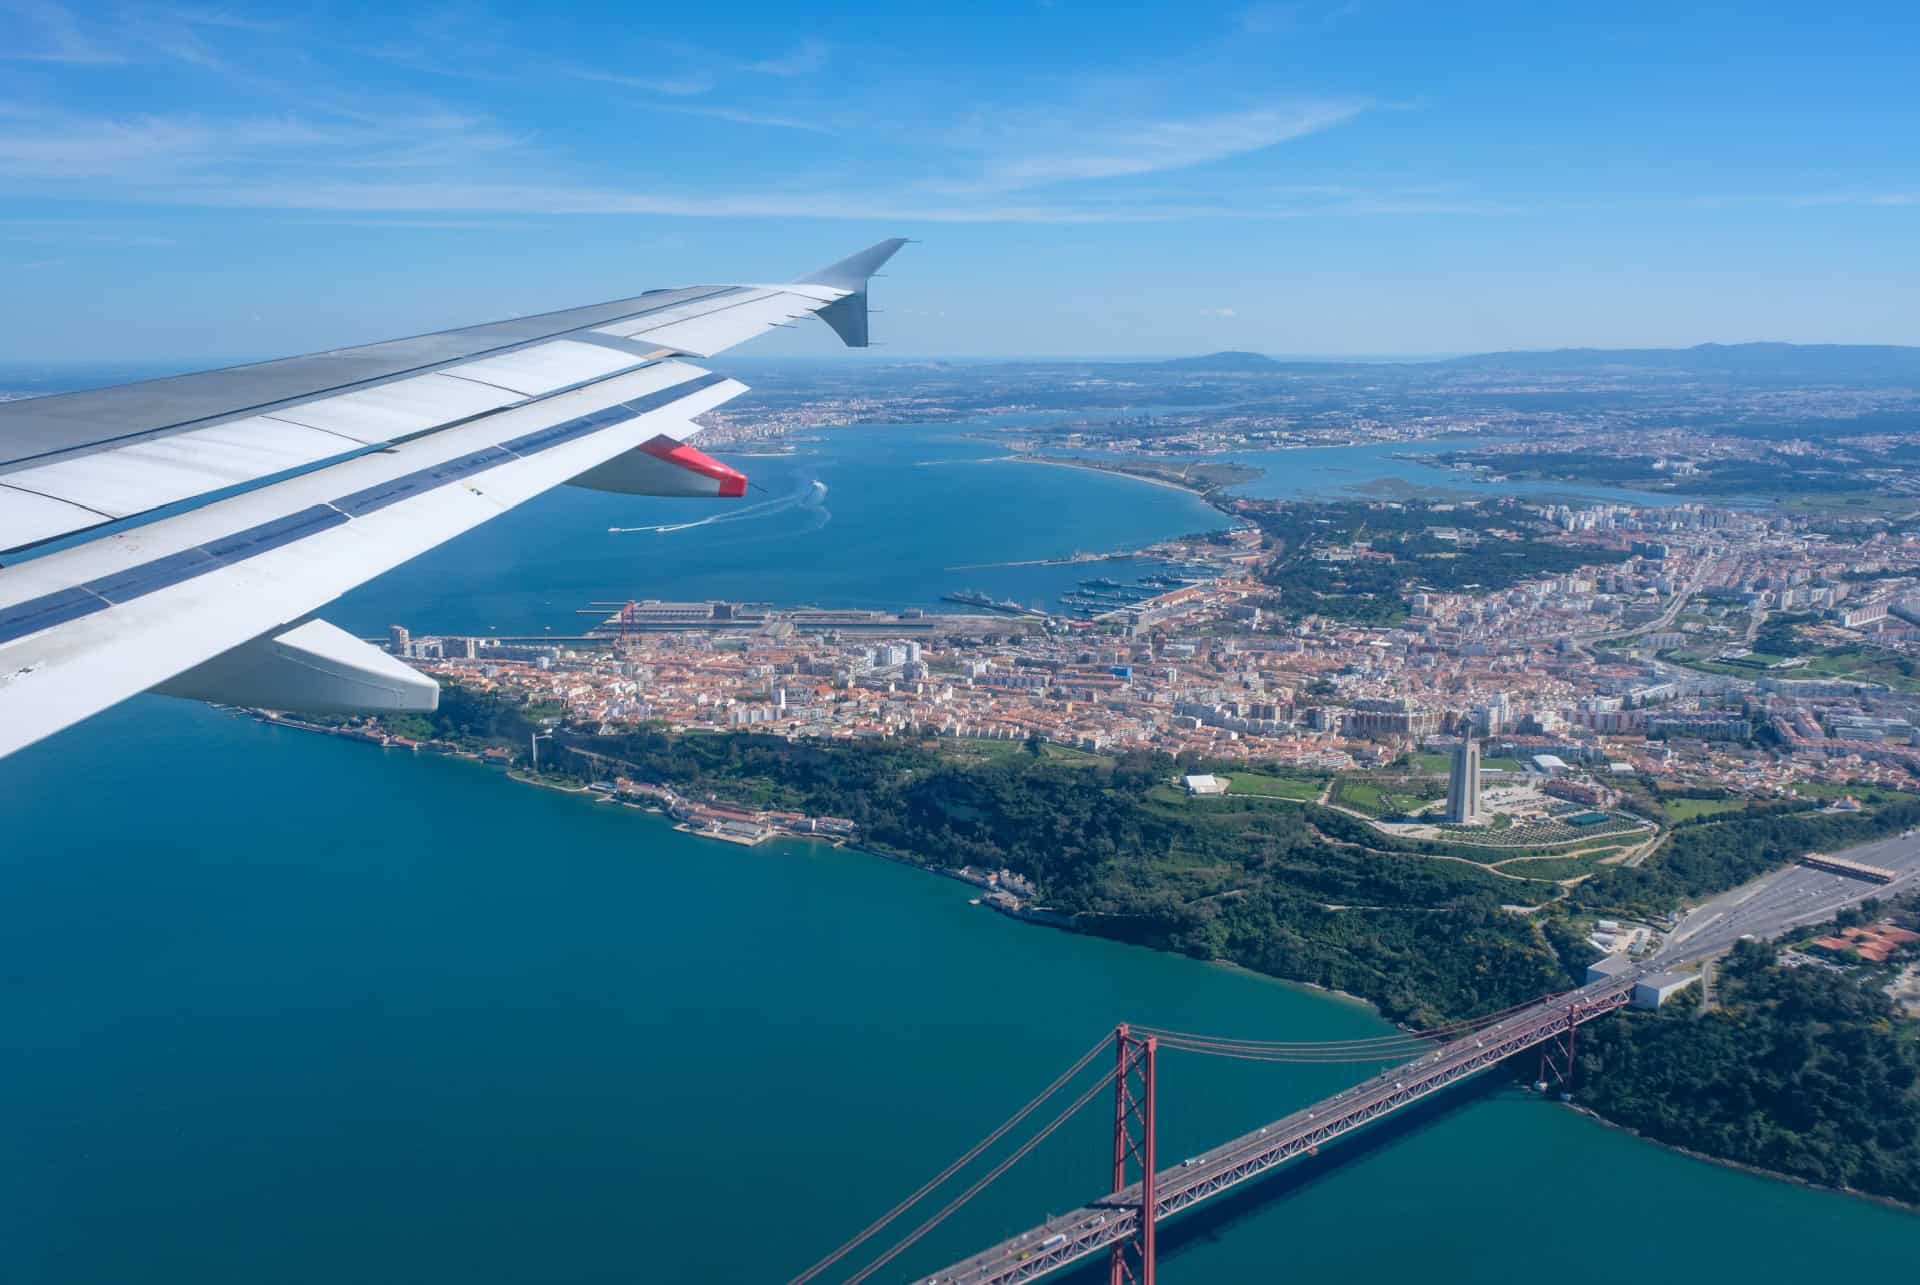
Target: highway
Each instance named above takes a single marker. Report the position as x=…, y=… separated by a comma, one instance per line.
x=1787, y=899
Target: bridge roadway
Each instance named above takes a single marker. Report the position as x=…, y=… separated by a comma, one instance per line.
x=1095, y=1227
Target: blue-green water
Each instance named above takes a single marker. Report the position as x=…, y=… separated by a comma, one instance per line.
x=902, y=506
x=285, y=1008
x=1384, y=468
x=1391, y=470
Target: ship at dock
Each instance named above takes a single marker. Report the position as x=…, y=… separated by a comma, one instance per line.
x=974, y=598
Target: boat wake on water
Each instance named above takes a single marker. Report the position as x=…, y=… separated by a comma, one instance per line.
x=811, y=497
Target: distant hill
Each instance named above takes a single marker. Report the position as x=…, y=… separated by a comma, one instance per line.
x=1754, y=360
x=1837, y=361
x=1220, y=361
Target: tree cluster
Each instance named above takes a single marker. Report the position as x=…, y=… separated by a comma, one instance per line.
x=1802, y=1071
x=1248, y=880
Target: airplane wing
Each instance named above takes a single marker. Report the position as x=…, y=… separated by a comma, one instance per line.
x=179, y=534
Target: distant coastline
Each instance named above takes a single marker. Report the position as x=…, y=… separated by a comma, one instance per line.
x=1094, y=468
x=1199, y=479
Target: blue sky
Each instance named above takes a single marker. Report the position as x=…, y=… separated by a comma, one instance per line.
x=185, y=183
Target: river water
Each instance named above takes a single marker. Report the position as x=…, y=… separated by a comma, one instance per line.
x=286, y=1008
x=901, y=507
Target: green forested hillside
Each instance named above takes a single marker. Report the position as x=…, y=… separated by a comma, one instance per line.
x=1803, y=1071
x=1713, y=854
x=1255, y=881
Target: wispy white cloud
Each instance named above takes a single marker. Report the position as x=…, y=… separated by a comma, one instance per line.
x=46, y=31
x=78, y=232
x=704, y=74
x=807, y=57
x=443, y=164
x=452, y=197
x=1269, y=18
x=445, y=225
x=683, y=86
x=1389, y=204
x=1881, y=198
x=103, y=148
x=144, y=149
x=1071, y=151
x=225, y=19
x=550, y=199
x=1273, y=18
x=736, y=116
x=1039, y=149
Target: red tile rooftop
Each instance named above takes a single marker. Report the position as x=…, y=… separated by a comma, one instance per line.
x=1876, y=942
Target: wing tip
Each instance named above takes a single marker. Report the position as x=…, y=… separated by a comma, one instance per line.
x=848, y=314
x=851, y=273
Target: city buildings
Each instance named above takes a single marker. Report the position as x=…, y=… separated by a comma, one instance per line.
x=1634, y=665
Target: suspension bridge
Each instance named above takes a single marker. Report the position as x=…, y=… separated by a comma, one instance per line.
x=1120, y=1223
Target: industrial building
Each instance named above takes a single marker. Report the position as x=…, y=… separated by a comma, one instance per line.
x=1656, y=989
x=1605, y=970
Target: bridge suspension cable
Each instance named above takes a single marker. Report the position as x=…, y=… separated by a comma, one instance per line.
x=1398, y=1046
x=1403, y=1045
x=1382, y=1053
x=971, y=1154
x=1019, y=1153
x=1121, y=1221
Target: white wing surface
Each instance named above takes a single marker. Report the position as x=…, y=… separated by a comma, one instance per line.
x=179, y=534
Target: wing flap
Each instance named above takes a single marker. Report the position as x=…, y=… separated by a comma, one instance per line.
x=661, y=318
x=717, y=331
x=148, y=475
x=27, y=517
x=388, y=412
x=315, y=668
x=547, y=368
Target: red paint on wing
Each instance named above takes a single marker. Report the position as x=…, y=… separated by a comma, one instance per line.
x=731, y=483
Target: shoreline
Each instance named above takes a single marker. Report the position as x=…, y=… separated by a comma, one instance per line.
x=525, y=778
x=1068, y=924
x=1039, y=916
x=1774, y=1175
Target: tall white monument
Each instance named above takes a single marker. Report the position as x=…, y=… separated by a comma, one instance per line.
x=1463, y=784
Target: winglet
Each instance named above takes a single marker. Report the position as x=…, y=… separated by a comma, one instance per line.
x=851, y=273
x=848, y=315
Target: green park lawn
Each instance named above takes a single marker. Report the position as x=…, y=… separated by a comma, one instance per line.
x=1304, y=789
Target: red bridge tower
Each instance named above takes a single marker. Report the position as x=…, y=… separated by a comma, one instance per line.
x=1133, y=1139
